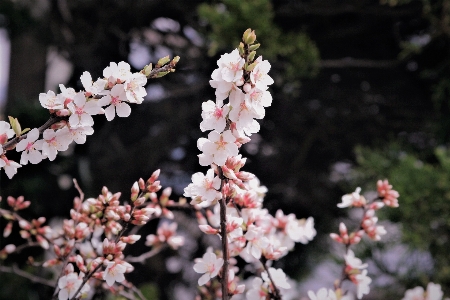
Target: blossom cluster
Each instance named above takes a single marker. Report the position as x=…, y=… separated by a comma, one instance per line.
x=229, y=201
x=71, y=113
x=94, y=238
x=354, y=270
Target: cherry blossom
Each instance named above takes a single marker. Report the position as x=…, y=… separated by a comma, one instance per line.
x=117, y=73
x=204, y=188
x=433, y=292
x=5, y=132
x=322, y=294
x=9, y=166
x=214, y=116
x=210, y=265
x=68, y=285
x=115, y=99
x=82, y=110
x=278, y=276
x=217, y=148
x=362, y=284
x=55, y=141
x=51, y=101
x=78, y=134
x=353, y=199
x=258, y=291
x=114, y=272
x=92, y=88
x=134, y=88
x=259, y=76
x=30, y=147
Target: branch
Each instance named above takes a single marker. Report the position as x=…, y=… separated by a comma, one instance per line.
x=141, y=258
x=17, y=271
x=349, y=62
x=53, y=120
x=223, y=235
x=275, y=290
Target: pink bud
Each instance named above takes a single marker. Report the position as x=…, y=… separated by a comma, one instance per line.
x=208, y=229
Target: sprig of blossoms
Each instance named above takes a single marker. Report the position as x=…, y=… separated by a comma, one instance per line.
x=354, y=270
x=71, y=112
x=229, y=200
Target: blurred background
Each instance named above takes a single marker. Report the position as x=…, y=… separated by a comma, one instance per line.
x=361, y=93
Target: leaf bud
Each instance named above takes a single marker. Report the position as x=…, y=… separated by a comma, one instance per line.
x=163, y=61
x=15, y=125
x=241, y=49
x=249, y=36
x=147, y=70
x=251, y=56
x=253, y=47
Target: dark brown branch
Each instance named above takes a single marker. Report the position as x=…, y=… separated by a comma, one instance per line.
x=275, y=291
x=223, y=235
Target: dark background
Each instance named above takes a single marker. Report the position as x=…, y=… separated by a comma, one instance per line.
x=346, y=73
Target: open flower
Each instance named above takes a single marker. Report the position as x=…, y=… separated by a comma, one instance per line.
x=217, y=148
x=114, y=272
x=210, y=265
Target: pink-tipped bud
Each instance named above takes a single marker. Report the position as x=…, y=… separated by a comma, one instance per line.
x=141, y=183
x=208, y=229
x=200, y=218
x=376, y=205
x=131, y=239
x=8, y=229
x=336, y=237
x=57, y=250
x=134, y=191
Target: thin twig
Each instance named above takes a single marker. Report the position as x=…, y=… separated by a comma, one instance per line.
x=17, y=271
x=275, y=290
x=141, y=258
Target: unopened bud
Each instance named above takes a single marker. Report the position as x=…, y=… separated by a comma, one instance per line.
x=253, y=47
x=251, y=56
x=15, y=125
x=251, y=66
x=249, y=36
x=147, y=69
x=163, y=61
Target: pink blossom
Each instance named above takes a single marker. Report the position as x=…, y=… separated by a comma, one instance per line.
x=30, y=147
x=259, y=76
x=9, y=166
x=278, y=276
x=68, y=285
x=114, y=273
x=134, y=88
x=353, y=199
x=55, y=141
x=322, y=294
x=115, y=99
x=214, y=116
x=217, y=148
x=204, y=188
x=51, y=101
x=82, y=110
x=92, y=88
x=210, y=265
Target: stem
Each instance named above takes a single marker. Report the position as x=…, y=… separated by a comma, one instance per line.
x=275, y=290
x=223, y=235
x=13, y=142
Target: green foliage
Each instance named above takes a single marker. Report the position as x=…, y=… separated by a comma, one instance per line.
x=424, y=189
x=150, y=291
x=230, y=18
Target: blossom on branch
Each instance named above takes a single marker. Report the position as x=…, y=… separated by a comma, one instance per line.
x=210, y=265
